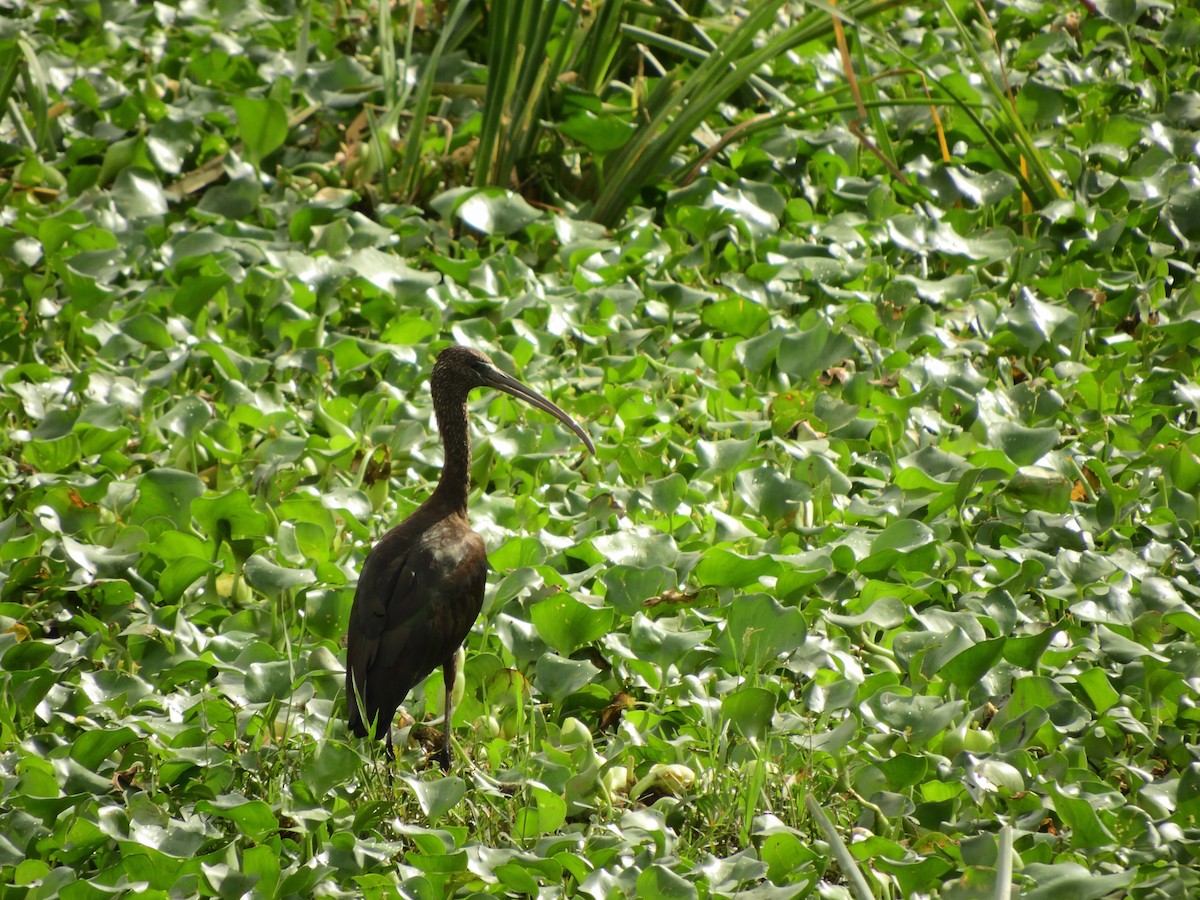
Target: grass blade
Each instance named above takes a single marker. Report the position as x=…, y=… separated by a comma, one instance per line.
x=845, y=860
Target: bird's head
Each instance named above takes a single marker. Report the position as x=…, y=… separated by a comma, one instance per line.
x=460, y=369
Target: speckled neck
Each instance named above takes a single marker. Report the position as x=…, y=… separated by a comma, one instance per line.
x=450, y=408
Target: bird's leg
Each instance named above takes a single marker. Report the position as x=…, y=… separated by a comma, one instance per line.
x=449, y=673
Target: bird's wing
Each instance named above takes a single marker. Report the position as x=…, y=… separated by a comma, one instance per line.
x=384, y=572
x=434, y=603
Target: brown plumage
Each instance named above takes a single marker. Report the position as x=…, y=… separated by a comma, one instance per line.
x=421, y=587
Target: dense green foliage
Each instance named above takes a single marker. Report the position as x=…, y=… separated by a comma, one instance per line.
x=887, y=554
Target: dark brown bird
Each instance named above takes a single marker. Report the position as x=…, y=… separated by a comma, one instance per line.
x=421, y=586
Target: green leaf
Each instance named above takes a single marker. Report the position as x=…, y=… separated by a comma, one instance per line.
x=627, y=588
x=438, y=797
x=1040, y=488
x=269, y=681
x=92, y=747
x=749, y=710
x=271, y=579
x=558, y=678
x=1024, y=446
x=230, y=515
x=167, y=494
x=723, y=568
x=55, y=455
x=327, y=768
x=966, y=668
x=600, y=134
x=262, y=125
x=657, y=882
x=1025, y=650
x=758, y=629
x=737, y=316
x=566, y=624
x=546, y=815
x=490, y=211
x=253, y=818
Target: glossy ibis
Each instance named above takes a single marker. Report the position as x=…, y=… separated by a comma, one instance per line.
x=421, y=586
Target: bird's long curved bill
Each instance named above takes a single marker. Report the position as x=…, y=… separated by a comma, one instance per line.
x=502, y=382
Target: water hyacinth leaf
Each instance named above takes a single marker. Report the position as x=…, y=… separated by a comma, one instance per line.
x=627, y=588
x=886, y=612
x=272, y=579
x=1188, y=795
x=558, y=677
x=914, y=875
x=771, y=494
x=1036, y=322
x=1183, y=212
x=95, y=746
x=226, y=881
x=966, y=668
x=906, y=535
x=904, y=770
x=637, y=548
x=666, y=640
x=736, y=316
x=1037, y=487
x=230, y=515
x=546, y=815
x=918, y=718
x=327, y=613
x=982, y=189
x=657, y=882
x=327, y=768
x=168, y=494
x=758, y=629
x=786, y=857
x=1024, y=446
x=438, y=797
x=1025, y=650
x=495, y=212
x=262, y=124
x=150, y=330
x=724, y=455
x=724, y=568
x=180, y=574
x=269, y=681
x=814, y=349
x=944, y=290
x=905, y=543
x=566, y=624
x=600, y=134
x=1069, y=879
x=138, y=194
x=390, y=273
x=996, y=776
x=516, y=878
x=253, y=818
x=261, y=864
x=749, y=710
x=54, y=455
x=1079, y=815
x=26, y=656
x=1099, y=690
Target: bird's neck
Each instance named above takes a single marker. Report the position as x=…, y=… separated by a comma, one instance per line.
x=455, y=482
